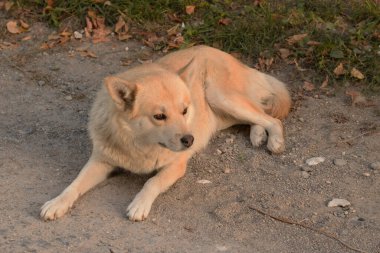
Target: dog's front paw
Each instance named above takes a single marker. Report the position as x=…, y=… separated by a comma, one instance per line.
x=258, y=135
x=139, y=208
x=57, y=207
x=276, y=144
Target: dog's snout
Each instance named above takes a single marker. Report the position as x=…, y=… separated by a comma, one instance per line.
x=187, y=140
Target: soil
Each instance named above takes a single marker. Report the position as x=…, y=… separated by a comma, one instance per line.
x=45, y=97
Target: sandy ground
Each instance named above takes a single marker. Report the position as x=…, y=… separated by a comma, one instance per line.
x=45, y=97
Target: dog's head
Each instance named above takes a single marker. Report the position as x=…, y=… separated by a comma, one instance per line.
x=154, y=105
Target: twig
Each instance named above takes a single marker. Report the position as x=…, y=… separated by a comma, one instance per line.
x=360, y=135
x=287, y=221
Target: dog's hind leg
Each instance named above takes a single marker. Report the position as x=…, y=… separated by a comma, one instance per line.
x=92, y=174
x=245, y=111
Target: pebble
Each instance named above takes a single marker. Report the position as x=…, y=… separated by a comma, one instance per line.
x=229, y=140
x=78, y=35
x=204, y=181
x=68, y=98
x=306, y=168
x=301, y=119
x=27, y=131
x=340, y=162
x=366, y=174
x=338, y=202
x=315, y=160
x=41, y=83
x=305, y=174
x=227, y=170
x=375, y=166
x=219, y=152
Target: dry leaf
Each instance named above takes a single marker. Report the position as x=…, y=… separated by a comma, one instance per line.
x=308, y=86
x=27, y=38
x=190, y=9
x=96, y=28
x=357, y=99
x=88, y=53
x=24, y=25
x=313, y=43
x=339, y=70
x=120, y=24
x=173, y=17
x=325, y=83
x=8, y=5
x=296, y=38
x=173, y=30
x=357, y=74
x=284, y=53
x=13, y=27
x=224, y=21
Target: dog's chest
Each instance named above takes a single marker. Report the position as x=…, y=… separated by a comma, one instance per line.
x=141, y=162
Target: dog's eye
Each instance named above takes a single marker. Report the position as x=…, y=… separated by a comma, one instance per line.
x=160, y=116
x=184, y=111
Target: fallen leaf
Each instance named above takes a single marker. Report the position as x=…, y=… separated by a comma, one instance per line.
x=296, y=38
x=173, y=17
x=357, y=74
x=26, y=38
x=325, y=83
x=96, y=28
x=13, y=27
x=24, y=25
x=190, y=9
x=308, y=86
x=88, y=53
x=313, y=43
x=173, y=30
x=8, y=5
x=224, y=21
x=339, y=70
x=120, y=24
x=357, y=99
x=284, y=53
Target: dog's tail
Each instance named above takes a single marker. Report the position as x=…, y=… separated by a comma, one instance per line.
x=278, y=105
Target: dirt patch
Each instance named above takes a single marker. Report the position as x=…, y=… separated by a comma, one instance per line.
x=45, y=97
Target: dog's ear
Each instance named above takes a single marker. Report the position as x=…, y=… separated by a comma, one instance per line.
x=121, y=91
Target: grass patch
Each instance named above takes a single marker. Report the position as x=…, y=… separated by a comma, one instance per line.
x=346, y=31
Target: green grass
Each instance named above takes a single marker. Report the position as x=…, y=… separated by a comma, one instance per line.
x=348, y=30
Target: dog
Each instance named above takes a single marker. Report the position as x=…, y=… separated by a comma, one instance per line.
x=155, y=116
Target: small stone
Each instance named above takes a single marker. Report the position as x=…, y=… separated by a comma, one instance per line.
x=375, y=166
x=301, y=119
x=69, y=98
x=340, y=162
x=338, y=202
x=204, y=181
x=315, y=160
x=227, y=170
x=78, y=35
x=229, y=140
x=305, y=174
x=27, y=131
x=328, y=182
x=219, y=152
x=366, y=174
x=41, y=83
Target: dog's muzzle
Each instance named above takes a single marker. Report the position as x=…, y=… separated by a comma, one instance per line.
x=187, y=140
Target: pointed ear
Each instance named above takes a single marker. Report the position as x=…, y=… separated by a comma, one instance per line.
x=121, y=91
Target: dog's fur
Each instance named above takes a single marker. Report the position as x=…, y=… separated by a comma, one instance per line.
x=128, y=128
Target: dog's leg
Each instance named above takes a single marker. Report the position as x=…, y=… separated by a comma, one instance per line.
x=245, y=111
x=258, y=135
x=92, y=174
x=139, y=208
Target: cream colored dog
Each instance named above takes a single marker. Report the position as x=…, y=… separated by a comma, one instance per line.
x=155, y=116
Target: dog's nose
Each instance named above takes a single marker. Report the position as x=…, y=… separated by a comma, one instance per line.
x=187, y=140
